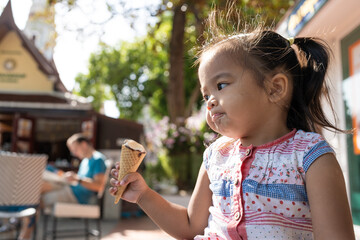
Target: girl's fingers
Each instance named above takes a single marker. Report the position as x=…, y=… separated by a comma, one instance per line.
x=115, y=172
x=114, y=182
x=131, y=177
x=113, y=190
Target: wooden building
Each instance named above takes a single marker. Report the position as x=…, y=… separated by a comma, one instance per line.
x=37, y=113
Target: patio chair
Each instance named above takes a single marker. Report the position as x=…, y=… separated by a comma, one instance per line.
x=76, y=211
x=20, y=185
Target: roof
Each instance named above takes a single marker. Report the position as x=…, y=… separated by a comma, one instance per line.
x=55, y=101
x=7, y=24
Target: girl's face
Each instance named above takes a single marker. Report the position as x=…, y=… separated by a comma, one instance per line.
x=237, y=105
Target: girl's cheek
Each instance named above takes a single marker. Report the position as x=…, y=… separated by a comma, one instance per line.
x=208, y=118
x=209, y=122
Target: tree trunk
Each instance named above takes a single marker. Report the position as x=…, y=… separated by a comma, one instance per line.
x=199, y=25
x=176, y=92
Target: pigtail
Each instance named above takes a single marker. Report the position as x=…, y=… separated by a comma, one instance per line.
x=310, y=86
x=313, y=58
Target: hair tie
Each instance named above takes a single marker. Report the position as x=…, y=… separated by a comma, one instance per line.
x=291, y=40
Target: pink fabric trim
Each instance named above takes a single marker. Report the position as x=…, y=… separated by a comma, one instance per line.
x=237, y=229
x=275, y=142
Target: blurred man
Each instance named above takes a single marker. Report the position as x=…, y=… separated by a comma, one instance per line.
x=81, y=186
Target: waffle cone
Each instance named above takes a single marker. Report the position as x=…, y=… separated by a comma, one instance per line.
x=130, y=159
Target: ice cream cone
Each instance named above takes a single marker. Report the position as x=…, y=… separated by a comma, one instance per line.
x=132, y=153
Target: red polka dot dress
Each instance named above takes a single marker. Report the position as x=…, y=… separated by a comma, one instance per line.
x=259, y=192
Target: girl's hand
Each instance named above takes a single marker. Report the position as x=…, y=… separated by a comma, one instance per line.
x=136, y=185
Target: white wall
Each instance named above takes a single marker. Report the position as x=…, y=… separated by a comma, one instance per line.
x=335, y=20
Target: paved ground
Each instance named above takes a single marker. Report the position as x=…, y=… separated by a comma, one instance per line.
x=139, y=228
x=142, y=227
x=133, y=228
x=136, y=228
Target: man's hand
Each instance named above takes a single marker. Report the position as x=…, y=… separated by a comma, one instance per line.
x=71, y=177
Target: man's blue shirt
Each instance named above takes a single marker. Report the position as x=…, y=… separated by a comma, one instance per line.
x=89, y=168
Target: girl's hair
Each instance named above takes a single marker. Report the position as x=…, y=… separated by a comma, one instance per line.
x=265, y=53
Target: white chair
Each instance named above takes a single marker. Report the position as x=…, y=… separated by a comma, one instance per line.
x=20, y=185
x=77, y=211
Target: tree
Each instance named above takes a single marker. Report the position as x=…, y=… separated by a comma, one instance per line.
x=174, y=80
x=135, y=74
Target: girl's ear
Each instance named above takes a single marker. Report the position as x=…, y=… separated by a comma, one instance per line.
x=278, y=88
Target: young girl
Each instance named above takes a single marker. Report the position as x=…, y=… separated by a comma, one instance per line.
x=270, y=175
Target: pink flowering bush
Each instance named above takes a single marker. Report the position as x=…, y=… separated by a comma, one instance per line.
x=178, y=150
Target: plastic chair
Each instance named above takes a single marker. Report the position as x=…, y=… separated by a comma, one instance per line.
x=20, y=185
x=77, y=211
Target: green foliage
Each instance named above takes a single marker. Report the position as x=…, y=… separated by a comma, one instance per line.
x=135, y=74
x=69, y=2
x=181, y=168
x=131, y=74
x=155, y=173
x=268, y=11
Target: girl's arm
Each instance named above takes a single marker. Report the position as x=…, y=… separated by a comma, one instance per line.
x=177, y=221
x=328, y=201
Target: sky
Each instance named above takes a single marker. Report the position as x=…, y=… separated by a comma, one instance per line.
x=71, y=54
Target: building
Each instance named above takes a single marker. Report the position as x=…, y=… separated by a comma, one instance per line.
x=40, y=27
x=37, y=113
x=338, y=23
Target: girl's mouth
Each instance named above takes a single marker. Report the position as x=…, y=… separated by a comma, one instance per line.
x=216, y=116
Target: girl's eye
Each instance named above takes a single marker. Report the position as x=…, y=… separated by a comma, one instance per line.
x=206, y=97
x=221, y=86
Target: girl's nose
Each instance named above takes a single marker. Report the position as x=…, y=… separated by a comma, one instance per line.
x=211, y=103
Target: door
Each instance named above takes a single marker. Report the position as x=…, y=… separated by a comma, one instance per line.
x=350, y=48
x=23, y=134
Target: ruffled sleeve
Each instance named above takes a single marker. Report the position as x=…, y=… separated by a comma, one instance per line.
x=316, y=148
